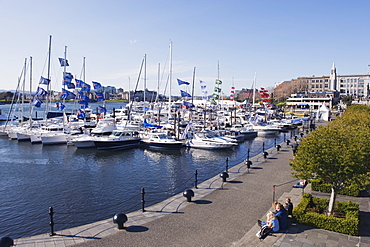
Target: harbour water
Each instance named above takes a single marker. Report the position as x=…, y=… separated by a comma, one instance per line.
x=88, y=185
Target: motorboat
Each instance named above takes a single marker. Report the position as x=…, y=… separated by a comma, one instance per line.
x=208, y=142
x=232, y=135
x=105, y=126
x=264, y=129
x=120, y=138
x=83, y=141
x=161, y=140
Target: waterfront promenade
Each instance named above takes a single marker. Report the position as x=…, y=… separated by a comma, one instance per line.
x=220, y=214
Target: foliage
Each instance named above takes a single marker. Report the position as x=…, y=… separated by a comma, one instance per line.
x=350, y=190
x=347, y=225
x=347, y=100
x=337, y=154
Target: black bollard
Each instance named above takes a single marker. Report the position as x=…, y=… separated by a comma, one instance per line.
x=6, y=242
x=51, y=223
x=224, y=176
x=227, y=164
x=265, y=154
x=287, y=142
x=120, y=219
x=188, y=194
x=142, y=200
x=248, y=163
x=196, y=179
x=302, y=134
x=278, y=147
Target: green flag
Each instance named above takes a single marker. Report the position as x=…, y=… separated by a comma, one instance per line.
x=218, y=82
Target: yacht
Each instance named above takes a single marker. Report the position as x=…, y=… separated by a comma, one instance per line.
x=120, y=138
x=161, y=140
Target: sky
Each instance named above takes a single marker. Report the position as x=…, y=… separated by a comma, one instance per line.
x=236, y=41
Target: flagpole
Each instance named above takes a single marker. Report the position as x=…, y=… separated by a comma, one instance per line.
x=192, y=93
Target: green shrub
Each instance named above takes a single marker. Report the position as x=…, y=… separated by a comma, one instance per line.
x=351, y=190
x=304, y=214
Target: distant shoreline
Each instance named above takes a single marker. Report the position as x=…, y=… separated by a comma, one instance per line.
x=8, y=102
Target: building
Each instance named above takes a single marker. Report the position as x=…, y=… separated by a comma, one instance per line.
x=356, y=86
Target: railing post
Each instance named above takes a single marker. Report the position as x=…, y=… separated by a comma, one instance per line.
x=273, y=192
x=51, y=223
x=196, y=179
x=263, y=147
x=227, y=164
x=142, y=200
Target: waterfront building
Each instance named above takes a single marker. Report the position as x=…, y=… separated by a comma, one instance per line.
x=356, y=85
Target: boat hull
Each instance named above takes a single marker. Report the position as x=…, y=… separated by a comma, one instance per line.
x=54, y=139
x=167, y=145
x=111, y=144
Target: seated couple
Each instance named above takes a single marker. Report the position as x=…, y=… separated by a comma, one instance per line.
x=278, y=220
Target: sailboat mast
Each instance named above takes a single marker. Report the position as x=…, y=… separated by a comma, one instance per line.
x=30, y=113
x=144, y=81
x=254, y=89
x=158, y=80
x=23, y=87
x=192, y=91
x=170, y=78
x=48, y=76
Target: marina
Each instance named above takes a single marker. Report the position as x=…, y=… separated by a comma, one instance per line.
x=87, y=185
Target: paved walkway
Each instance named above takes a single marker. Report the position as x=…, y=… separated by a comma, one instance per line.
x=220, y=214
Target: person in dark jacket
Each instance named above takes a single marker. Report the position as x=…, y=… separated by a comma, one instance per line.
x=282, y=215
x=289, y=207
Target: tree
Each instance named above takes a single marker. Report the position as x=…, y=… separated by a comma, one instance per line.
x=338, y=154
x=347, y=100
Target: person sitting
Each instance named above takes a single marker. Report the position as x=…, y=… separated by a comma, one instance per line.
x=282, y=216
x=271, y=222
x=301, y=184
x=289, y=207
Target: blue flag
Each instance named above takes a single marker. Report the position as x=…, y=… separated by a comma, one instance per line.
x=81, y=114
x=102, y=109
x=188, y=104
x=184, y=94
x=36, y=102
x=63, y=62
x=85, y=87
x=100, y=97
x=79, y=83
x=71, y=85
x=40, y=91
x=67, y=78
x=60, y=106
x=96, y=85
x=65, y=94
x=44, y=81
x=180, y=82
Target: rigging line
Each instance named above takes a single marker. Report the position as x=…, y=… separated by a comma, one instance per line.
x=133, y=96
x=14, y=95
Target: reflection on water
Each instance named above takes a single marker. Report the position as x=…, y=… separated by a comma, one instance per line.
x=86, y=185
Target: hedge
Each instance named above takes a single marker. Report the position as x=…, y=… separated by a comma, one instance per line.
x=347, y=225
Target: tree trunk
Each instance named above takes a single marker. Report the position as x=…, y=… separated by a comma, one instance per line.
x=333, y=196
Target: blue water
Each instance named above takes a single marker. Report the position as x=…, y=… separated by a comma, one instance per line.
x=87, y=185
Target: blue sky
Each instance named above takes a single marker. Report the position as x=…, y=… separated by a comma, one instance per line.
x=232, y=40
